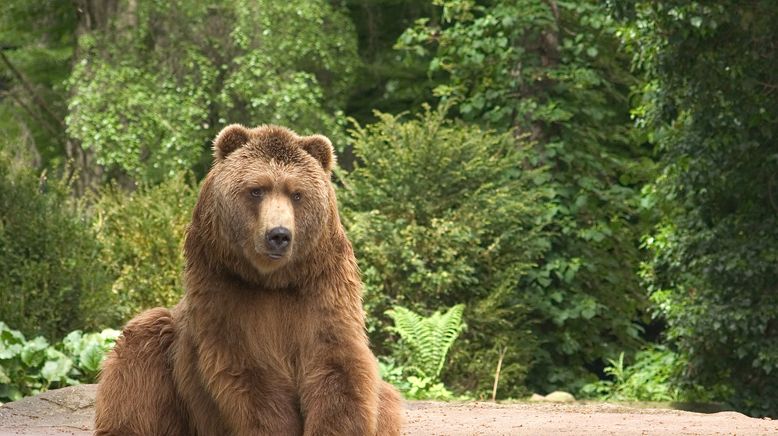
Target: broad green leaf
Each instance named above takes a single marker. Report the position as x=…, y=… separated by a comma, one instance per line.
x=56, y=370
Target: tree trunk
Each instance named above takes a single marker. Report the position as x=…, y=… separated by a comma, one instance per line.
x=109, y=19
x=546, y=47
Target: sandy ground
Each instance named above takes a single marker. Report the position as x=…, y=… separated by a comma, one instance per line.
x=70, y=411
x=430, y=418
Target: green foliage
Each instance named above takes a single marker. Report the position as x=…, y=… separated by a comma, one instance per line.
x=147, y=99
x=141, y=234
x=288, y=73
x=65, y=266
x=425, y=342
x=47, y=254
x=552, y=71
x=414, y=387
x=534, y=225
x=650, y=378
x=30, y=367
x=440, y=214
x=709, y=104
x=385, y=81
x=428, y=338
x=88, y=350
x=38, y=39
x=148, y=125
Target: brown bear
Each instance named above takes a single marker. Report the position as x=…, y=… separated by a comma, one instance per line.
x=269, y=338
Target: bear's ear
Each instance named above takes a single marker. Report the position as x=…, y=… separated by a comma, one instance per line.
x=320, y=147
x=229, y=139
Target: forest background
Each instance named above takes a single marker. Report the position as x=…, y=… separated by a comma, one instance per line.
x=583, y=194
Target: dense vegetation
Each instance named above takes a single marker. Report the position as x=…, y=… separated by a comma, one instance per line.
x=542, y=74
x=585, y=192
x=709, y=100
x=440, y=215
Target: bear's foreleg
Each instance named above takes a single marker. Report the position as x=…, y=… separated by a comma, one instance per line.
x=136, y=395
x=203, y=411
x=340, y=390
x=390, y=410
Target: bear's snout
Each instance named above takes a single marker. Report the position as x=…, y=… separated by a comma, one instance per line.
x=278, y=240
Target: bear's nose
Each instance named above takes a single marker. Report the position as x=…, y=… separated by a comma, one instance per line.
x=278, y=238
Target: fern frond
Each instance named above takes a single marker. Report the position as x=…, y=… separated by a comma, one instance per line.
x=428, y=338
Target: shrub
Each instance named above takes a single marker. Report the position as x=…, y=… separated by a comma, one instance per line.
x=30, y=367
x=141, y=234
x=650, y=378
x=65, y=266
x=149, y=110
x=414, y=387
x=710, y=109
x=442, y=213
x=47, y=254
x=493, y=62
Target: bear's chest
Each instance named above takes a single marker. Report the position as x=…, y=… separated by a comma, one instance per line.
x=274, y=329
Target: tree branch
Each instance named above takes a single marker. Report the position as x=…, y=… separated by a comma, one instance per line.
x=33, y=114
x=26, y=84
x=497, y=373
x=770, y=196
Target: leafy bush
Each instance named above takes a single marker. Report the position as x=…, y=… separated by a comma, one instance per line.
x=650, y=378
x=146, y=99
x=710, y=107
x=414, y=387
x=552, y=71
x=65, y=266
x=47, y=254
x=148, y=125
x=442, y=213
x=141, y=234
x=31, y=367
x=88, y=351
x=291, y=75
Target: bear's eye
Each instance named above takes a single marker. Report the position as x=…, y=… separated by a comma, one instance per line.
x=257, y=193
x=297, y=196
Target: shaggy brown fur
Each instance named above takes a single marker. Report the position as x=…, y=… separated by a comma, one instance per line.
x=267, y=340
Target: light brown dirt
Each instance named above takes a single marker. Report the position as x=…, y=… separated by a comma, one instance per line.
x=431, y=418
x=70, y=411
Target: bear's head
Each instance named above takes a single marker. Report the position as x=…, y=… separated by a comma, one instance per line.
x=267, y=201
